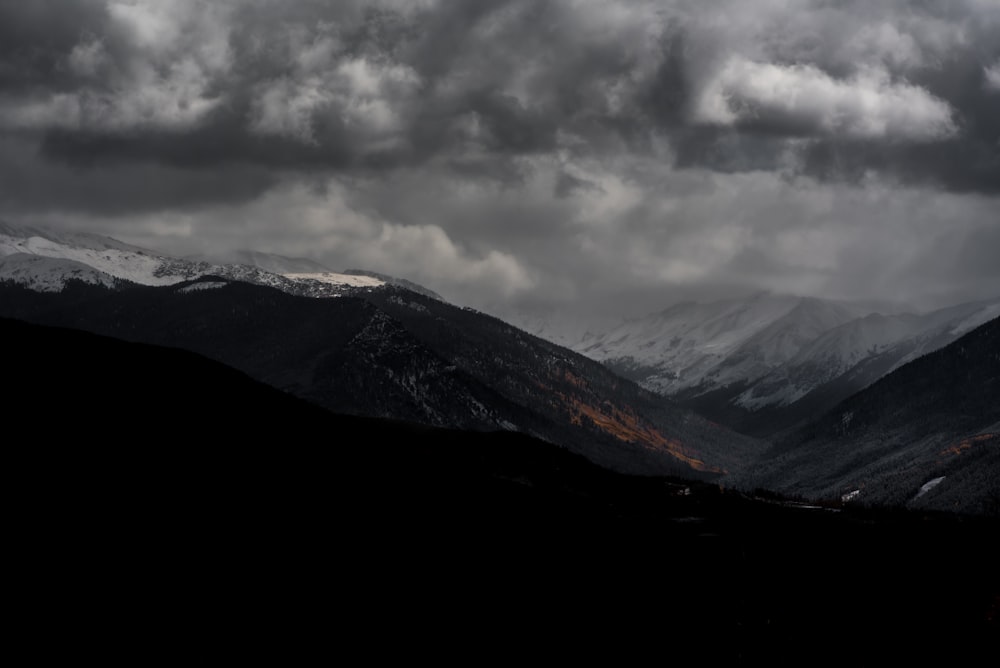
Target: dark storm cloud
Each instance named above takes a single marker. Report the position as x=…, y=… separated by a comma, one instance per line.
x=339, y=87
x=847, y=88
x=555, y=148
x=345, y=85
x=32, y=184
x=36, y=36
x=305, y=75
x=968, y=160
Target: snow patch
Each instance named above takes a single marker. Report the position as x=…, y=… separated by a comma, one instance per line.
x=206, y=285
x=707, y=346
x=928, y=486
x=44, y=274
x=850, y=496
x=110, y=259
x=333, y=278
x=120, y=263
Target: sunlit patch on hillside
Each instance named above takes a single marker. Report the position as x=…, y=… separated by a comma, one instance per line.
x=621, y=422
x=626, y=427
x=965, y=444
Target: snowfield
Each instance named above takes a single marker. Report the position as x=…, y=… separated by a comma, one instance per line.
x=333, y=278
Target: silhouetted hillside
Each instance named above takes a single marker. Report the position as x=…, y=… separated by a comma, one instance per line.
x=159, y=480
x=402, y=355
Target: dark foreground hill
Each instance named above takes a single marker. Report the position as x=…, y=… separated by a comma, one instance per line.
x=165, y=505
x=403, y=355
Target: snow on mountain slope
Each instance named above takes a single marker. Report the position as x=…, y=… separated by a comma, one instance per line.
x=203, y=285
x=829, y=356
x=101, y=253
x=310, y=277
x=868, y=348
x=61, y=256
x=983, y=315
x=333, y=278
x=848, y=344
x=773, y=350
x=47, y=274
x=692, y=344
x=781, y=341
x=947, y=325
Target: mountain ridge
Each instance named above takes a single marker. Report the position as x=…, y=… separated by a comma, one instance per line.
x=924, y=435
x=762, y=364
x=383, y=350
x=122, y=261
x=395, y=353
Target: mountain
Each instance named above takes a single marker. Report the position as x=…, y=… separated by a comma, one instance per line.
x=391, y=352
x=381, y=350
x=763, y=364
x=107, y=260
x=306, y=269
x=204, y=477
x=927, y=435
x=101, y=254
x=49, y=274
x=701, y=346
x=237, y=508
x=865, y=348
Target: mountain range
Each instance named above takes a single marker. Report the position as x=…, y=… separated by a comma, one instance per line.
x=763, y=364
x=664, y=395
x=361, y=345
x=926, y=435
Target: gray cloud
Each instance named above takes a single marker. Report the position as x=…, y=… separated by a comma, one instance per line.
x=804, y=100
x=991, y=75
x=515, y=151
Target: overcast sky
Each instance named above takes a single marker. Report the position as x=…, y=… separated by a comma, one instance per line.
x=579, y=154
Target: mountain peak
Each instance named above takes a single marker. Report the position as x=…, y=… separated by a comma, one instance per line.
x=101, y=260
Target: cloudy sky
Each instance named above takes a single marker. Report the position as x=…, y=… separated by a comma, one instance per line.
x=614, y=155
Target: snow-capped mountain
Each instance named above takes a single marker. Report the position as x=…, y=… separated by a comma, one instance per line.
x=49, y=274
x=924, y=435
x=306, y=270
x=738, y=361
x=384, y=349
x=102, y=254
x=46, y=260
x=866, y=348
x=693, y=345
